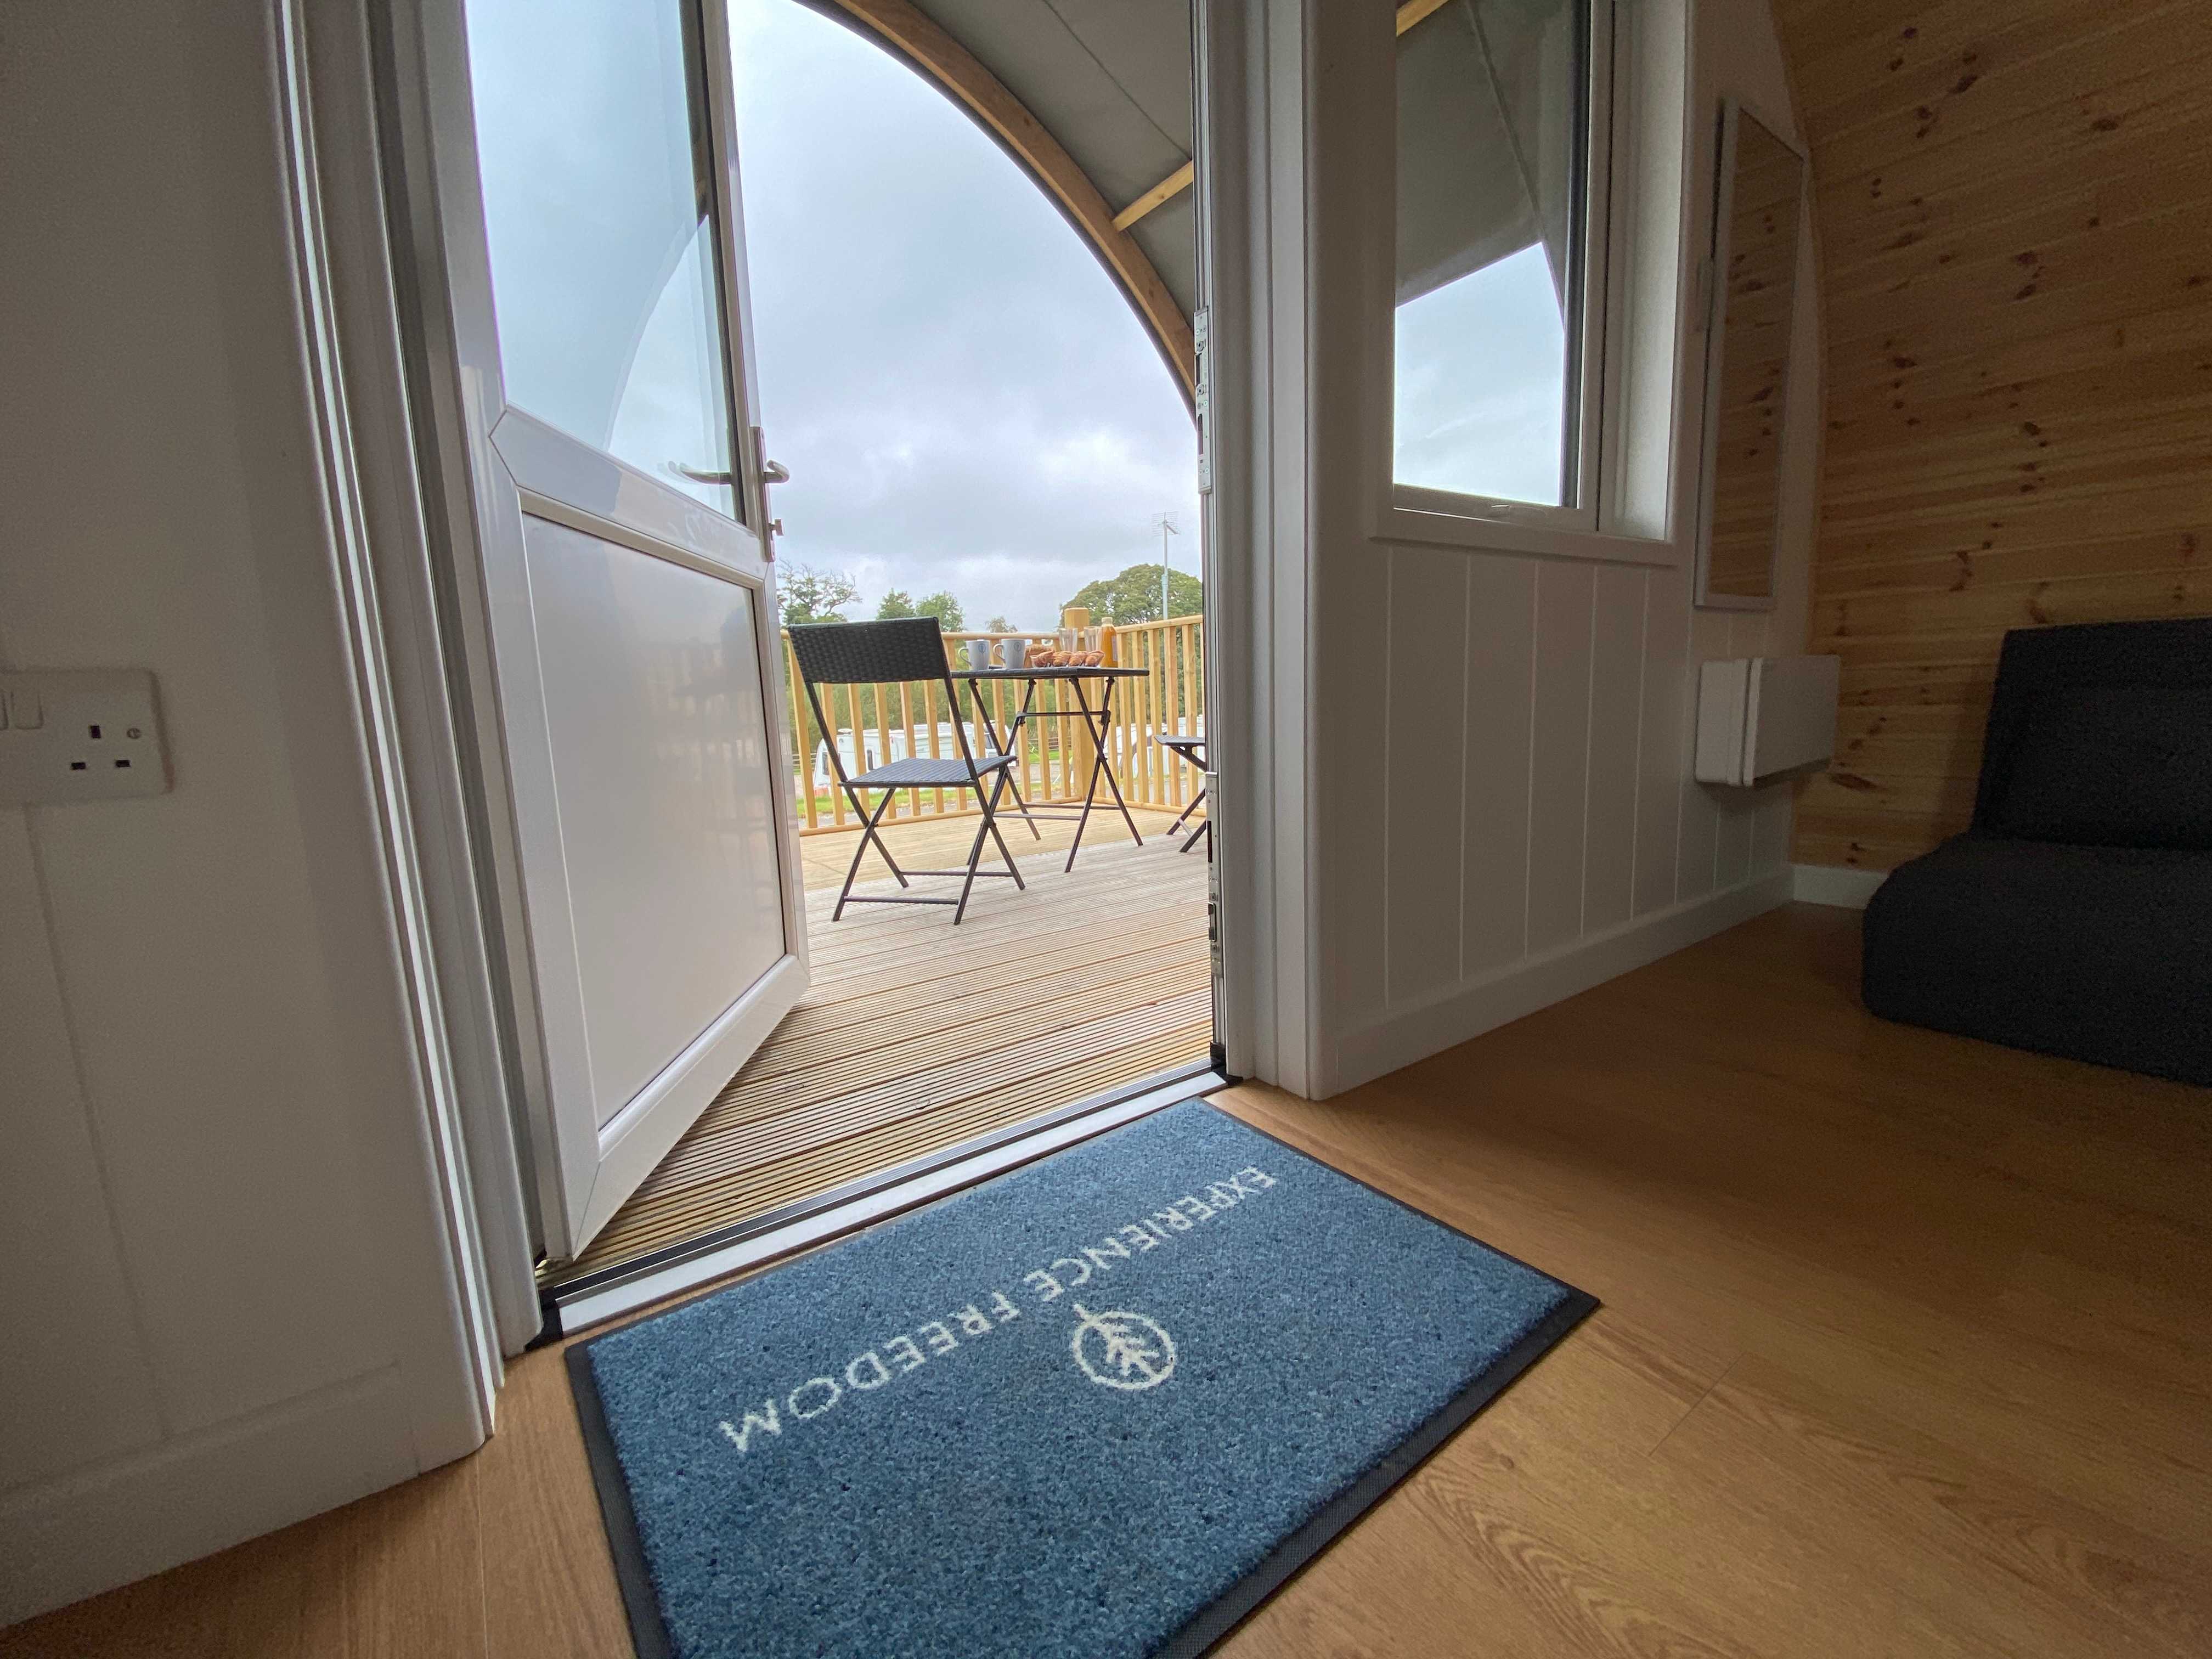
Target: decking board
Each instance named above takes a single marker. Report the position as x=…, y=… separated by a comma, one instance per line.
x=916, y=1035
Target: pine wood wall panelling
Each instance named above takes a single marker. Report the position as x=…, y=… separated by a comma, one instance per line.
x=2104, y=273
x=1978, y=608
x=2010, y=63
x=2015, y=221
x=2139, y=56
x=1978, y=561
x=2079, y=519
x=2150, y=387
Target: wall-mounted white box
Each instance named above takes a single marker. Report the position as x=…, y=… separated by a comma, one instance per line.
x=1761, y=717
x=79, y=735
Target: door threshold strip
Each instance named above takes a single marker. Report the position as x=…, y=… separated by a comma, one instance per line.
x=594, y=1300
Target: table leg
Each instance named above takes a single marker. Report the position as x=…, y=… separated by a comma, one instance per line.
x=1006, y=747
x=1101, y=728
x=1105, y=725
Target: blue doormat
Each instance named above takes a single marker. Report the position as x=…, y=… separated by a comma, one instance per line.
x=1099, y=1407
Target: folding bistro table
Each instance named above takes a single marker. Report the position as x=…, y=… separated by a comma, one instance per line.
x=1099, y=720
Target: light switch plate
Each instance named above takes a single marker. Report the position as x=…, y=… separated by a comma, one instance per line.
x=79, y=735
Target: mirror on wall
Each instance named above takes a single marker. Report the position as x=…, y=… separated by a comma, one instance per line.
x=1759, y=194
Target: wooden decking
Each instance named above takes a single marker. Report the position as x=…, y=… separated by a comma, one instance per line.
x=917, y=1036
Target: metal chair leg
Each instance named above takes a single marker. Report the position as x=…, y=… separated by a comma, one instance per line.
x=1204, y=825
x=991, y=819
x=989, y=827
x=867, y=834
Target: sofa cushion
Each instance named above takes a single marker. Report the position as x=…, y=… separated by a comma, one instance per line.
x=2111, y=766
x=2099, y=953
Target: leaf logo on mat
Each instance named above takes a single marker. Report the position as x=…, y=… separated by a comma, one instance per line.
x=1119, y=1349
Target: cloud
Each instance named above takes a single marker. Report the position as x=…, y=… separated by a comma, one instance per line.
x=964, y=397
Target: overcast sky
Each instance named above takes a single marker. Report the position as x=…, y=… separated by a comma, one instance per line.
x=1482, y=386
x=963, y=397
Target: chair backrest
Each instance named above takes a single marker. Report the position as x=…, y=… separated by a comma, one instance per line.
x=2100, y=733
x=895, y=651
x=890, y=653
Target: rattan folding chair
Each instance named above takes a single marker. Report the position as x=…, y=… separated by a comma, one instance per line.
x=1192, y=749
x=898, y=652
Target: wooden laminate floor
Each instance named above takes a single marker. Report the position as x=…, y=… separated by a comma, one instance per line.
x=1903, y=1351
x=916, y=1035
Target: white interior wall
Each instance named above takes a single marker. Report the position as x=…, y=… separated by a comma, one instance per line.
x=229, y=1302
x=1503, y=801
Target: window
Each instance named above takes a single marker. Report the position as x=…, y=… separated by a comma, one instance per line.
x=590, y=129
x=1502, y=142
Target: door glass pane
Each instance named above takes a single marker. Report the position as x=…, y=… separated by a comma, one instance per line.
x=597, y=198
x=1492, y=136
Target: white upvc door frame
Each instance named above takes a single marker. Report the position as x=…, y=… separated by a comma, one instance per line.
x=1254, y=69
x=404, y=381
x=343, y=229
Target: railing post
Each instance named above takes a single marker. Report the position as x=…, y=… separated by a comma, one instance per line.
x=807, y=809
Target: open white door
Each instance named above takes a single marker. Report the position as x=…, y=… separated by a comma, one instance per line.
x=651, y=899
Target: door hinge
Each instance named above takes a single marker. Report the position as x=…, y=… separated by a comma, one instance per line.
x=1202, y=330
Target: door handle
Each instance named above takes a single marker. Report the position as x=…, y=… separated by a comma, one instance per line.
x=775, y=472
x=699, y=476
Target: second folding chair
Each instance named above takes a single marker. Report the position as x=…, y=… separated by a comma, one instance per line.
x=897, y=653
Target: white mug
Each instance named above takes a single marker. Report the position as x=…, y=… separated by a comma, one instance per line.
x=978, y=654
x=1010, y=652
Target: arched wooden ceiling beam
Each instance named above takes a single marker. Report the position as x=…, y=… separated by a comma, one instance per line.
x=924, y=44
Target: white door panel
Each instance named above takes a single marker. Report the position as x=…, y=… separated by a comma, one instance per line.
x=562, y=479
x=634, y=733
x=658, y=729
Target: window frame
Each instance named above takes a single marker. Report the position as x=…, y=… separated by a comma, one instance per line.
x=1420, y=512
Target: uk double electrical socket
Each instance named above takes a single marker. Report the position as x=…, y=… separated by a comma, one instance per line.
x=79, y=735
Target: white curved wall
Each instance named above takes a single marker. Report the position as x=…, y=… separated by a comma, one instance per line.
x=226, y=1305
x=1503, y=806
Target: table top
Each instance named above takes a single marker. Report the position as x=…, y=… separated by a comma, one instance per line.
x=1070, y=671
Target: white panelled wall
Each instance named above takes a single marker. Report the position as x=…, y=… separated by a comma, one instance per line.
x=1504, y=810
x=228, y=1302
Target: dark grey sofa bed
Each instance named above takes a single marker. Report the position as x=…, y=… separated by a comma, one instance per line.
x=2074, y=917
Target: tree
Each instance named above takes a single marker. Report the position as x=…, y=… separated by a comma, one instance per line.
x=998, y=625
x=946, y=609
x=941, y=606
x=805, y=594
x=1135, y=596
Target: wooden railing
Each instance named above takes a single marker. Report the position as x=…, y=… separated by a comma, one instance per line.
x=876, y=723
